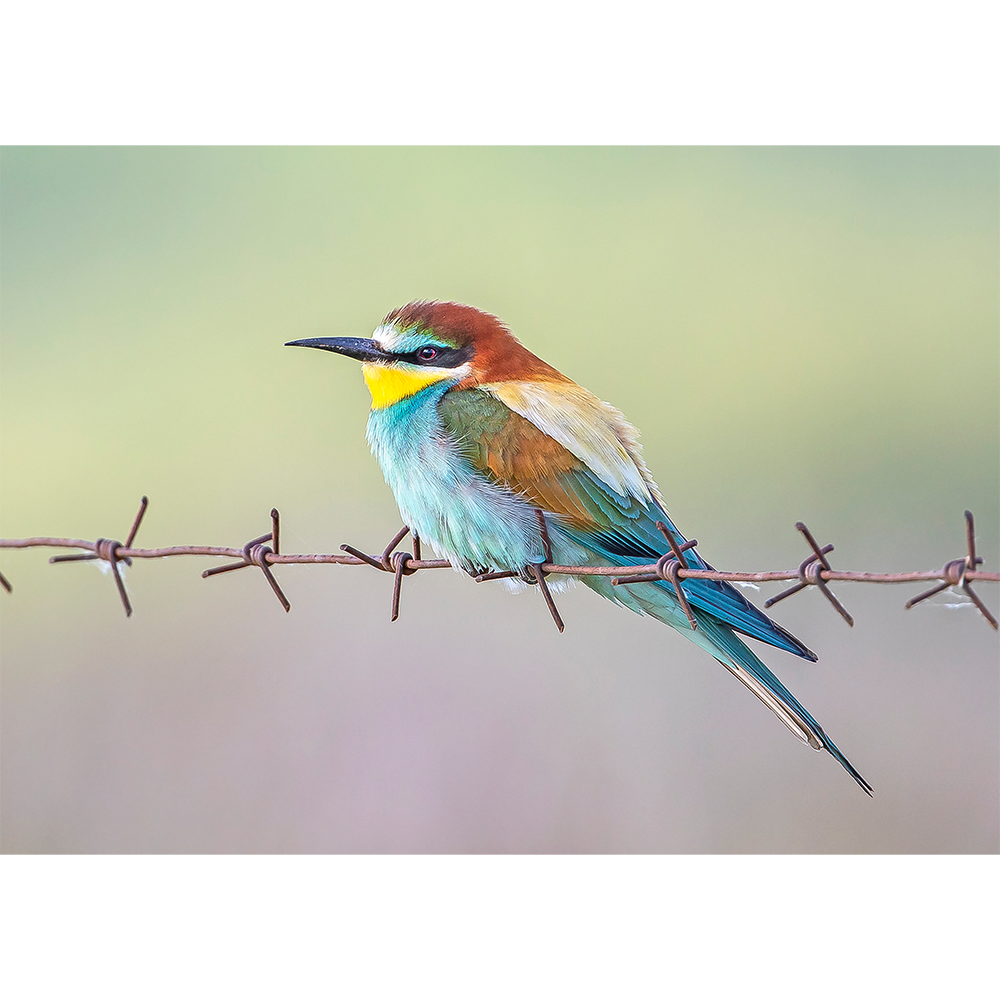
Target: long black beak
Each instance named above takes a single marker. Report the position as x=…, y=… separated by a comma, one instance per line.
x=352, y=347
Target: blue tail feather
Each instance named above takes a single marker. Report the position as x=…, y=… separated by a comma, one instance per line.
x=804, y=724
x=719, y=639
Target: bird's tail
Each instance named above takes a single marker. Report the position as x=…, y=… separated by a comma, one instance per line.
x=739, y=660
x=718, y=638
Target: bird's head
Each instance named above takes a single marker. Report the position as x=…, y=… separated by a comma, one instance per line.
x=427, y=343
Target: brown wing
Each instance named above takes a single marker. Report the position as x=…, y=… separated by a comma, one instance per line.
x=513, y=451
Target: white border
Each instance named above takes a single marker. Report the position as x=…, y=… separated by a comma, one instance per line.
x=545, y=72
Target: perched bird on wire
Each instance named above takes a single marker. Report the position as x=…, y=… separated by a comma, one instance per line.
x=503, y=464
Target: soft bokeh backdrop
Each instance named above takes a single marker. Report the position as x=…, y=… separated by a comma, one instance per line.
x=799, y=333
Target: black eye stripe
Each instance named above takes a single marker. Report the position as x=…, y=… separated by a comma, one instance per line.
x=446, y=357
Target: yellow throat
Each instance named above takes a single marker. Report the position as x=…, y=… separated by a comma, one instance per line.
x=390, y=384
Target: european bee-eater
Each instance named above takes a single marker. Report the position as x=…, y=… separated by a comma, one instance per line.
x=475, y=435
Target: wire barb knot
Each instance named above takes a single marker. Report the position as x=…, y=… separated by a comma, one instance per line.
x=955, y=570
x=533, y=574
x=811, y=575
x=668, y=567
x=255, y=553
x=397, y=563
x=400, y=567
x=955, y=574
x=108, y=550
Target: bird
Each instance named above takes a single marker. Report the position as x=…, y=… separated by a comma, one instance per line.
x=504, y=464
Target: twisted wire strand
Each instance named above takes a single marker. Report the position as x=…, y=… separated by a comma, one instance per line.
x=814, y=571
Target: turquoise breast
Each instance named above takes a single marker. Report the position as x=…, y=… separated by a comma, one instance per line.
x=475, y=524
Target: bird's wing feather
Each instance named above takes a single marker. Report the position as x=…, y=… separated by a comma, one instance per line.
x=522, y=451
x=590, y=429
x=513, y=450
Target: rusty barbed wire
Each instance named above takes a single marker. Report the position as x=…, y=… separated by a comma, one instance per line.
x=814, y=571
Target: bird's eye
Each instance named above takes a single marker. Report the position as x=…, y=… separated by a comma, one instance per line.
x=427, y=353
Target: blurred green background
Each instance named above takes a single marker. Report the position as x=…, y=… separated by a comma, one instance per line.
x=799, y=333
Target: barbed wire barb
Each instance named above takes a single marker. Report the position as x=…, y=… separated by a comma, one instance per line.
x=255, y=553
x=811, y=575
x=108, y=549
x=956, y=574
x=538, y=572
x=397, y=563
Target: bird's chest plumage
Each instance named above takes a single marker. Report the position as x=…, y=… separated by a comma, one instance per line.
x=472, y=522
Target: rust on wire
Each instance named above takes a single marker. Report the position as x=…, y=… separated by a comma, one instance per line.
x=255, y=553
x=810, y=574
x=668, y=568
x=539, y=573
x=109, y=550
x=672, y=542
x=534, y=574
x=275, y=529
x=397, y=563
x=391, y=547
x=363, y=556
x=956, y=574
x=619, y=581
x=401, y=568
x=672, y=568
